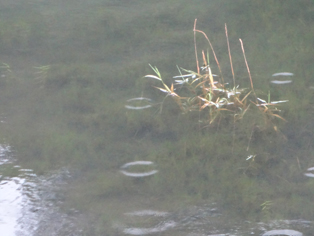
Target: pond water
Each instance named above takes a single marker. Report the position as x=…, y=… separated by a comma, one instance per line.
x=95, y=149
x=30, y=204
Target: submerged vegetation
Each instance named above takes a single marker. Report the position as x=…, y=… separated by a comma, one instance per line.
x=201, y=91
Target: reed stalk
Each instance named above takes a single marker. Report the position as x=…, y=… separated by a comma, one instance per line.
x=207, y=93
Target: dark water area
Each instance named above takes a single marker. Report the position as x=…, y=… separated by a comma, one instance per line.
x=91, y=147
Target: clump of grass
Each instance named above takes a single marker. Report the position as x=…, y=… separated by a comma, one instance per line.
x=202, y=90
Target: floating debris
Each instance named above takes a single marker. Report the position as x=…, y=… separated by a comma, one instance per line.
x=287, y=232
x=310, y=174
x=283, y=74
x=137, y=108
x=157, y=229
x=281, y=81
x=134, y=174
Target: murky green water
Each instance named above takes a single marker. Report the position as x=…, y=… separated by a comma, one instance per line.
x=84, y=159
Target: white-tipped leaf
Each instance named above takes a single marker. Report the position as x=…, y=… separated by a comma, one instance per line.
x=153, y=77
x=163, y=90
x=261, y=100
x=193, y=76
x=276, y=102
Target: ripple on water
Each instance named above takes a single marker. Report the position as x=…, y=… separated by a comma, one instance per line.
x=147, y=213
x=141, y=107
x=150, y=217
x=204, y=220
x=309, y=174
x=283, y=74
x=287, y=232
x=157, y=229
x=281, y=81
x=137, y=174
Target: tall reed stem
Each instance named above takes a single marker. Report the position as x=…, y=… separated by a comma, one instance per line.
x=234, y=84
x=247, y=66
x=211, y=46
x=197, y=64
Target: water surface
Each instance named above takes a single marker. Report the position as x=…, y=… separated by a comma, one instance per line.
x=90, y=158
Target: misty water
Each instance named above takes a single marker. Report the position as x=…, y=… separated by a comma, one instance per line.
x=89, y=146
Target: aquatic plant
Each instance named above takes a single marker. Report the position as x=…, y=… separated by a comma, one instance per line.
x=57, y=76
x=202, y=90
x=20, y=34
